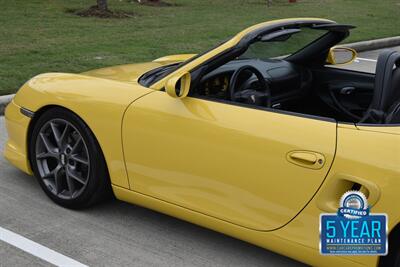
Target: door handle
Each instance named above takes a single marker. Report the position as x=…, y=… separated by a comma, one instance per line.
x=303, y=156
x=348, y=90
x=307, y=159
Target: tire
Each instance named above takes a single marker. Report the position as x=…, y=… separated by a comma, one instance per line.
x=393, y=257
x=67, y=160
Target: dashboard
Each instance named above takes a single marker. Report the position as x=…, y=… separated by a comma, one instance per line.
x=286, y=81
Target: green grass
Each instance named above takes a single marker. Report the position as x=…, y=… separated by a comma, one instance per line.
x=39, y=36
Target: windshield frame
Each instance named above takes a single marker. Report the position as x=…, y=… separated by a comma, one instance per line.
x=285, y=56
x=178, y=65
x=237, y=45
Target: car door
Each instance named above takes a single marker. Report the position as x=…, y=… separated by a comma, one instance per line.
x=250, y=167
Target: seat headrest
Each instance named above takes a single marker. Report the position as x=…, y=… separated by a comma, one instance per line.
x=387, y=80
x=386, y=73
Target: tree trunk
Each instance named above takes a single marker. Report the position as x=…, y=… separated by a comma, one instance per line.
x=102, y=5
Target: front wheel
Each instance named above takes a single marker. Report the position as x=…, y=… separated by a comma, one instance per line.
x=67, y=160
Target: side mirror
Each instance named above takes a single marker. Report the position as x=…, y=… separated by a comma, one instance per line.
x=341, y=55
x=179, y=85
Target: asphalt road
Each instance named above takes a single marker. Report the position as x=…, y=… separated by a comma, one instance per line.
x=112, y=234
x=116, y=233
x=366, y=61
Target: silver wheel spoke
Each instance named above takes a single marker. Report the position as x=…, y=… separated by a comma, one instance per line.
x=64, y=134
x=46, y=155
x=56, y=133
x=62, y=158
x=70, y=183
x=58, y=179
x=75, y=176
x=53, y=173
x=79, y=159
x=77, y=142
x=47, y=144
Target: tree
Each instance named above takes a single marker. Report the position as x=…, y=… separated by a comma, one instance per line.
x=102, y=5
x=149, y=1
x=269, y=2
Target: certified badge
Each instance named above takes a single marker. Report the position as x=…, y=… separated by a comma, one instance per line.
x=353, y=205
x=353, y=230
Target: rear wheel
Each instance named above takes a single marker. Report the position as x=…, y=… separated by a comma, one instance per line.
x=393, y=257
x=67, y=160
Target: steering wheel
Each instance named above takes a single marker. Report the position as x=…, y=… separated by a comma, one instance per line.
x=257, y=96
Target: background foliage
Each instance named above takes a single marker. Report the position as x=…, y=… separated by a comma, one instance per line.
x=46, y=36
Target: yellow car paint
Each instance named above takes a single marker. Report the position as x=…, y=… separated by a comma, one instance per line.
x=372, y=165
x=177, y=136
x=190, y=151
x=16, y=147
x=277, y=240
x=365, y=157
x=131, y=72
x=174, y=58
x=225, y=46
x=83, y=95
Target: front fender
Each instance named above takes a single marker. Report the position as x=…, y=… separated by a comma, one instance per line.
x=100, y=103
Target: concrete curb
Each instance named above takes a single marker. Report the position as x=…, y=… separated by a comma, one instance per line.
x=4, y=100
x=359, y=47
x=375, y=44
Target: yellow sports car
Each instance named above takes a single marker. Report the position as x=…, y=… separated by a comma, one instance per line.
x=254, y=138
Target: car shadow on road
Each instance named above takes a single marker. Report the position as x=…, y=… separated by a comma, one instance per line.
x=156, y=222
x=128, y=225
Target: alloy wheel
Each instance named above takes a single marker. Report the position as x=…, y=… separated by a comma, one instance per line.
x=62, y=159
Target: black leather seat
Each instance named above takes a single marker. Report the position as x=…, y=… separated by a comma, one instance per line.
x=385, y=104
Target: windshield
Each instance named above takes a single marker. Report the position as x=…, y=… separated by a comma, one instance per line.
x=283, y=46
x=155, y=75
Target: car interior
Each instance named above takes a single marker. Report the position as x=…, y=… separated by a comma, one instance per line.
x=271, y=74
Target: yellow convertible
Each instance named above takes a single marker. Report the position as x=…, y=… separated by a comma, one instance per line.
x=254, y=138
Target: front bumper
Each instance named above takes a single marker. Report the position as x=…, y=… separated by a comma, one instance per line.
x=16, y=148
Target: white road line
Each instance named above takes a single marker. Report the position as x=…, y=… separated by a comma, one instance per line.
x=366, y=59
x=37, y=250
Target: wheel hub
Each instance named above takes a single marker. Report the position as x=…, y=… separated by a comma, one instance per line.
x=63, y=159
